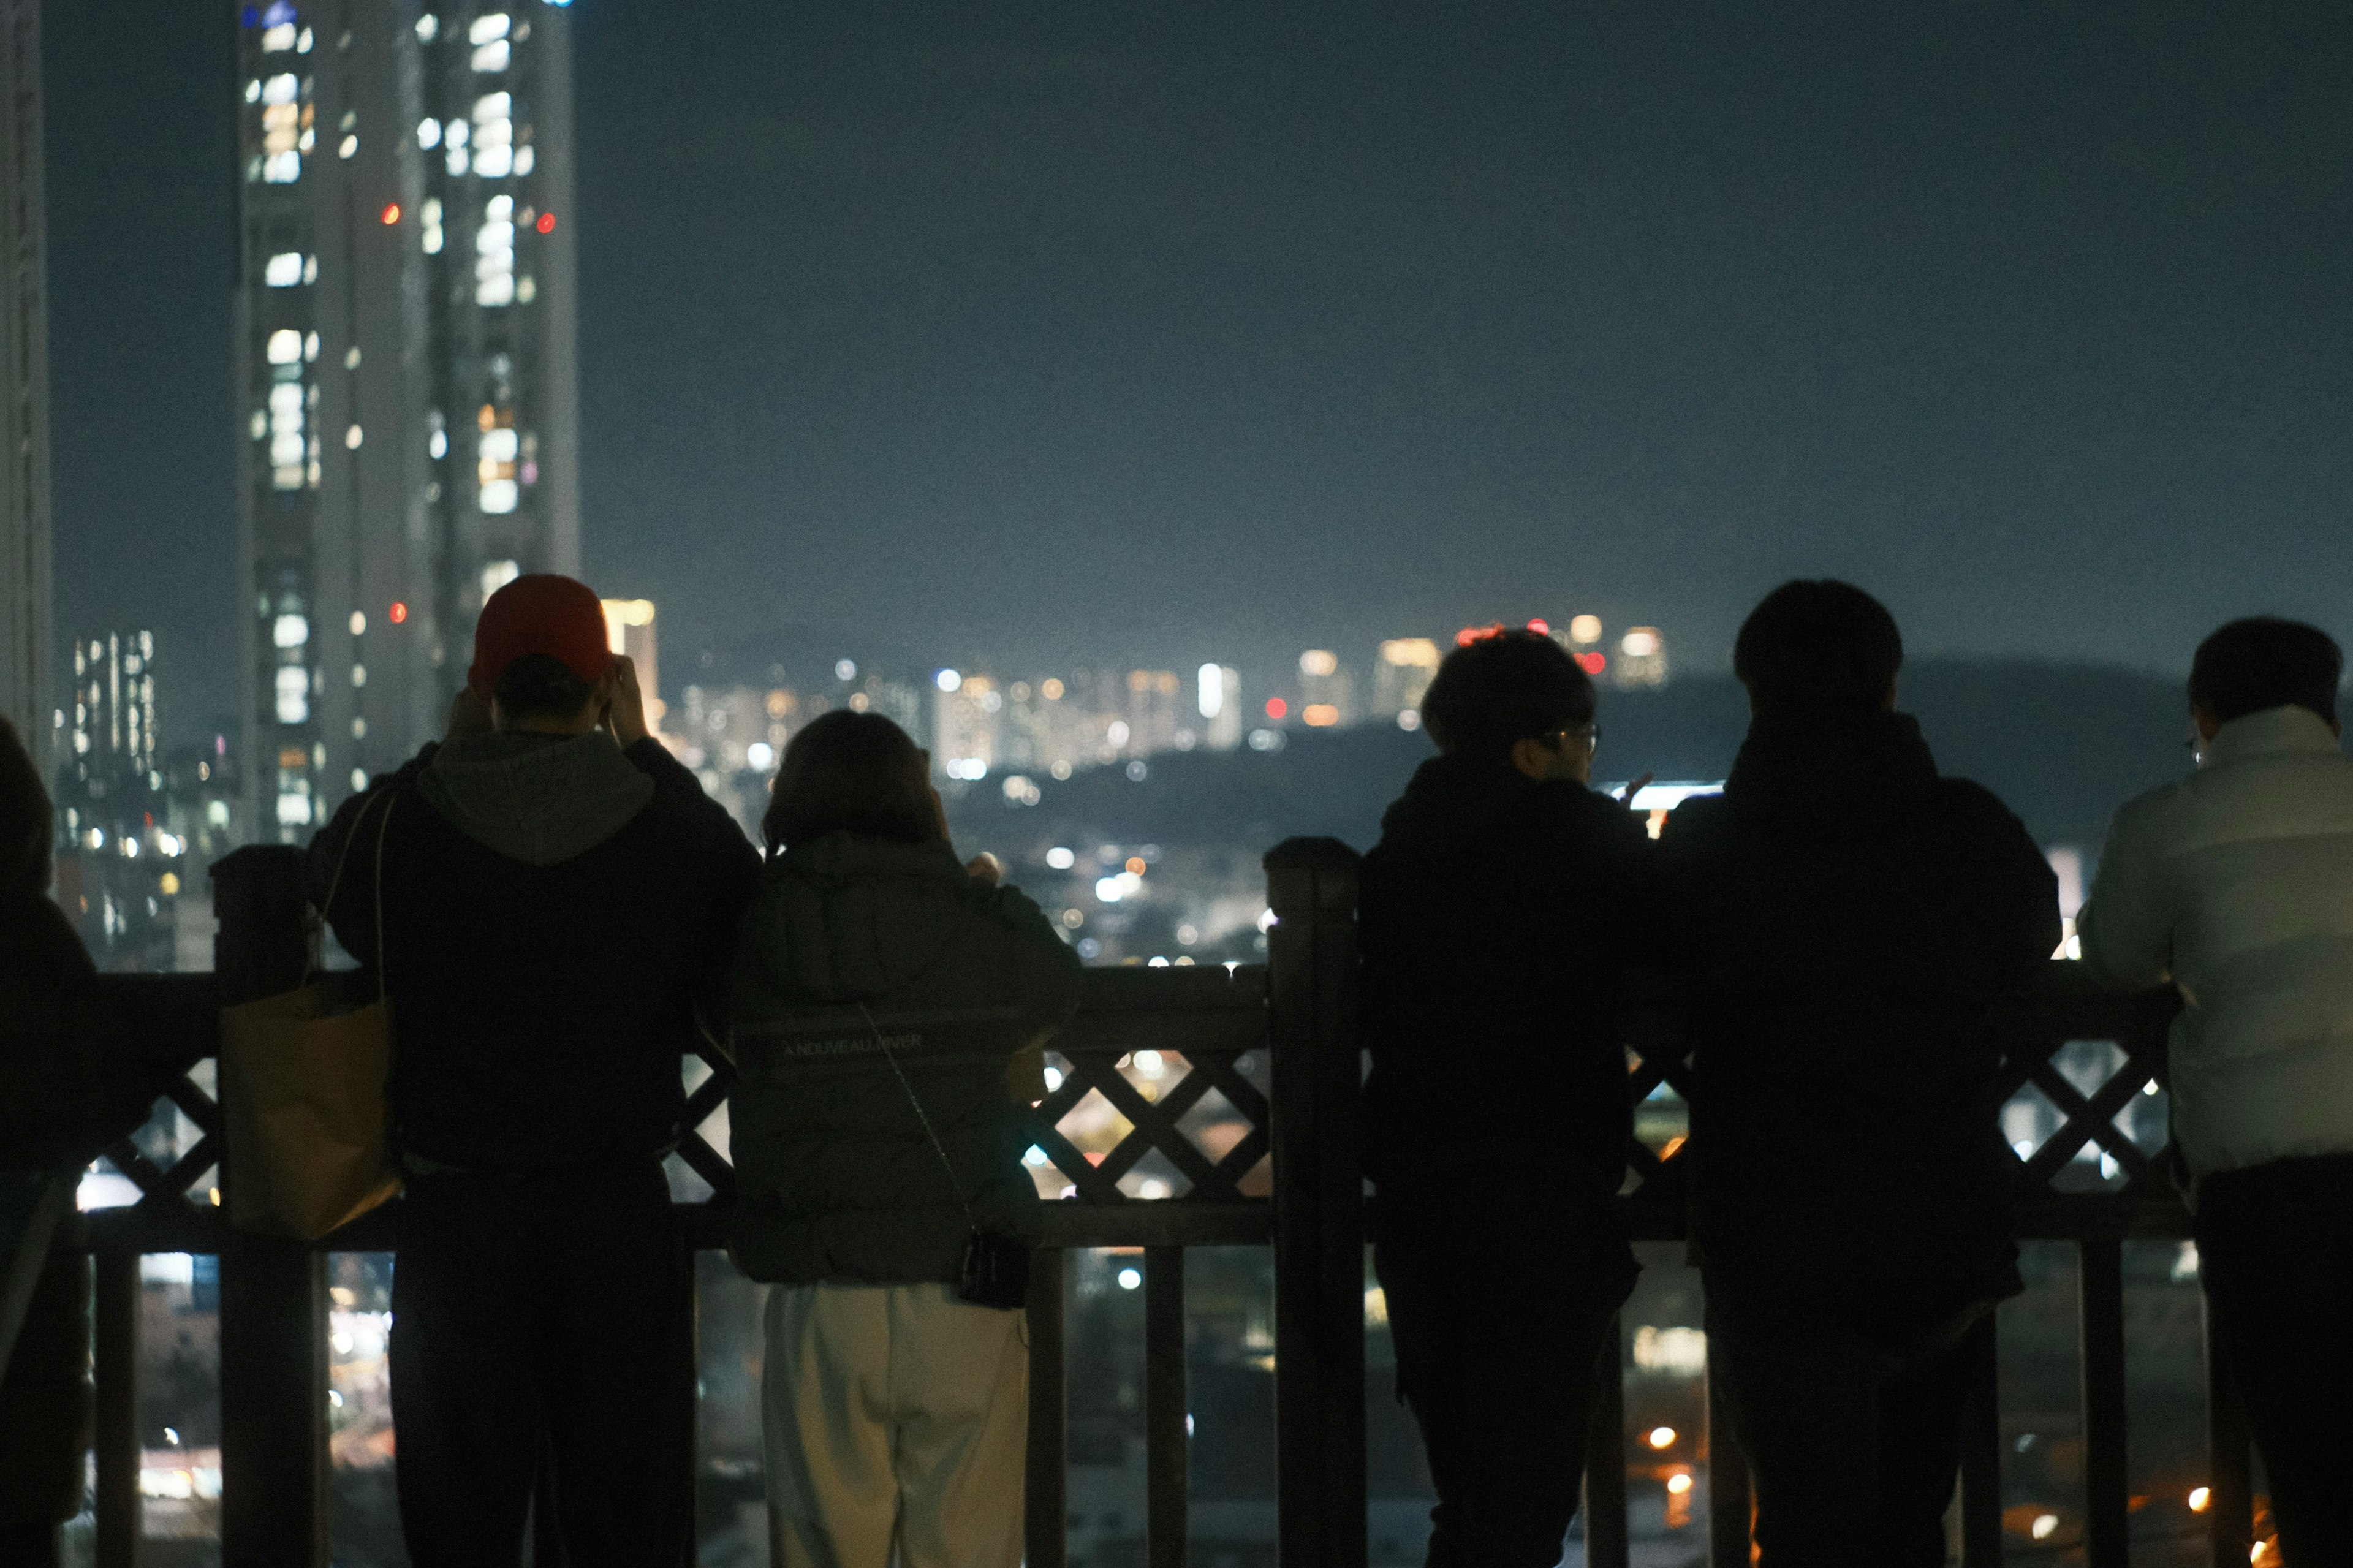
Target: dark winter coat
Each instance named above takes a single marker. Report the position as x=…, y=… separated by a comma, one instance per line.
x=856, y=947
x=555, y=909
x=1846, y=918
x=1493, y=920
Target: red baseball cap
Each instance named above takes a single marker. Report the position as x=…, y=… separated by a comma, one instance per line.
x=540, y=613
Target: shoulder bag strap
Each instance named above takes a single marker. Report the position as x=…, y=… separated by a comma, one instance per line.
x=937, y=1148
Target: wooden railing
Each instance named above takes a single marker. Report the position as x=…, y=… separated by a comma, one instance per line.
x=1298, y=1009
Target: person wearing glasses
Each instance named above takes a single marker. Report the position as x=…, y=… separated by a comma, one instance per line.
x=1843, y=918
x=1493, y=916
x=2234, y=887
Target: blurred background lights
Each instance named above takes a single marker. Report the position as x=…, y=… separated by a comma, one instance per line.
x=1585, y=629
x=946, y=680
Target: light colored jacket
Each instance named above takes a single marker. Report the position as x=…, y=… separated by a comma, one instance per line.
x=2235, y=886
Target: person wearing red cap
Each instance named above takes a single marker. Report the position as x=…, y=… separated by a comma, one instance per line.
x=560, y=900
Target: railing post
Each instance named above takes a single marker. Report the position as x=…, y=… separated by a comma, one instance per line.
x=2230, y=1490
x=1165, y=1408
x=114, y=1361
x=2101, y=1298
x=1319, y=1210
x=1606, y=1541
x=1731, y=1511
x=273, y=1318
x=1981, y=1449
x=1047, y=1498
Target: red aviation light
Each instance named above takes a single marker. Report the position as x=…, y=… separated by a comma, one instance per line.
x=546, y=224
x=1592, y=663
x=399, y=611
x=1276, y=708
x=391, y=214
x=1541, y=626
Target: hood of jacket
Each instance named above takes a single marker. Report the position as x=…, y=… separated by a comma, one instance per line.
x=539, y=799
x=854, y=917
x=1828, y=777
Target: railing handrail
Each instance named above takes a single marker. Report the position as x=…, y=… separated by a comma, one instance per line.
x=1299, y=1008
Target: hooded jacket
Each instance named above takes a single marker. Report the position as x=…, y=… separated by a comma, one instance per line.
x=1847, y=918
x=555, y=909
x=1493, y=920
x=2235, y=887
x=860, y=954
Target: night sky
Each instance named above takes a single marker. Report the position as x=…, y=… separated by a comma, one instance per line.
x=1027, y=335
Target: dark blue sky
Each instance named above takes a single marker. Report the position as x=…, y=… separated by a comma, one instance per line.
x=1028, y=334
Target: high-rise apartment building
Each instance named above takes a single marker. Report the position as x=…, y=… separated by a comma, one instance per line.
x=24, y=693
x=406, y=353
x=1219, y=695
x=1641, y=658
x=1327, y=690
x=1403, y=673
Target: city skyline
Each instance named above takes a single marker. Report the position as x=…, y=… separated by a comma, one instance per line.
x=944, y=340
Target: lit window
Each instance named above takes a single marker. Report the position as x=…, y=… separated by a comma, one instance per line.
x=428, y=27
x=495, y=238
x=498, y=575
x=289, y=631
x=286, y=406
x=497, y=290
x=493, y=106
x=359, y=622
x=499, y=446
x=293, y=810
x=487, y=27
x=438, y=446
x=294, y=696
x=286, y=477
x=494, y=163
x=499, y=497
x=493, y=57
x=525, y=289
x=285, y=346
x=523, y=160
x=459, y=132
x=281, y=168
x=428, y=134
x=352, y=357
x=359, y=675
x=253, y=90
x=349, y=145
x=359, y=777
x=455, y=162
x=287, y=448
x=310, y=347
x=261, y=424
x=302, y=43
x=280, y=88
x=279, y=39
x=352, y=440
x=284, y=271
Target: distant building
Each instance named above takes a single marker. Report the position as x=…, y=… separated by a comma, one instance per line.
x=1156, y=720
x=1399, y=679
x=109, y=785
x=1641, y=658
x=1327, y=692
x=27, y=697
x=406, y=362
x=630, y=627
x=1220, y=699
x=967, y=723
x=123, y=847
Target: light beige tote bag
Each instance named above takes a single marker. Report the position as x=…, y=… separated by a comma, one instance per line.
x=304, y=1080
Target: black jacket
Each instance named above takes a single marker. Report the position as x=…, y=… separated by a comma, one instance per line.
x=1845, y=917
x=555, y=912
x=1493, y=920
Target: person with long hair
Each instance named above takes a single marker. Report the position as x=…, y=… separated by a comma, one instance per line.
x=889, y=1005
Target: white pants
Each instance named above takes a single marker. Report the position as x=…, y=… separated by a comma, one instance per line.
x=896, y=1418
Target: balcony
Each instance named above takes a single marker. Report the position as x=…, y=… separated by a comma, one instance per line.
x=1277, y=1044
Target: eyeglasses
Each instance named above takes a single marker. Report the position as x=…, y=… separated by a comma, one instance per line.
x=1589, y=733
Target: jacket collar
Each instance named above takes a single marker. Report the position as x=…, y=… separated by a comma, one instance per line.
x=2288, y=728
